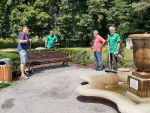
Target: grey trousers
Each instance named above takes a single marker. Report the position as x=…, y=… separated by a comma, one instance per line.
x=114, y=59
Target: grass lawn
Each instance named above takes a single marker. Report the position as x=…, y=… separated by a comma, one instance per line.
x=15, y=49
x=128, y=52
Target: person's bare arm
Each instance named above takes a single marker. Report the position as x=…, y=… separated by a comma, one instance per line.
x=46, y=43
x=23, y=41
x=91, y=47
x=118, y=45
x=103, y=42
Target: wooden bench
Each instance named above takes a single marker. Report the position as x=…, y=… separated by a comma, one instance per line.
x=48, y=56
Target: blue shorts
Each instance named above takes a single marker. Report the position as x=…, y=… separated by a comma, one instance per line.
x=23, y=56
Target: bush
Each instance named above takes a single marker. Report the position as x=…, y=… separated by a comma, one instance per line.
x=15, y=58
x=73, y=43
x=13, y=44
x=129, y=64
x=104, y=63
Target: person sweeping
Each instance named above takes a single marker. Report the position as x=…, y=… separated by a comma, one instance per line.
x=114, y=46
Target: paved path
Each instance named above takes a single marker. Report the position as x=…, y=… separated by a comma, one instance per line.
x=52, y=90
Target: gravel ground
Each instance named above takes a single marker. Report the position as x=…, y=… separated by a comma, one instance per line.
x=52, y=90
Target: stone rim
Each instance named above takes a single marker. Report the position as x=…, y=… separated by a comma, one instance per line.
x=139, y=36
x=143, y=75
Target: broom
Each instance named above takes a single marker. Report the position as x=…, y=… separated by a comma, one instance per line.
x=109, y=70
x=29, y=70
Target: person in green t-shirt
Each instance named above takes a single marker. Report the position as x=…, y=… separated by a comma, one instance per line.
x=114, y=46
x=50, y=40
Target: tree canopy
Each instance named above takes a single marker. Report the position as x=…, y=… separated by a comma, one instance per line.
x=74, y=18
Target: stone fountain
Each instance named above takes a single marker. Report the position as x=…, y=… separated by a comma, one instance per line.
x=139, y=81
x=137, y=95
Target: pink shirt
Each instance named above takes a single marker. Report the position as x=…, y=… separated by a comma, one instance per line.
x=97, y=43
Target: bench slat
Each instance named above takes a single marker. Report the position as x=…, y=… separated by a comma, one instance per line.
x=46, y=60
x=48, y=56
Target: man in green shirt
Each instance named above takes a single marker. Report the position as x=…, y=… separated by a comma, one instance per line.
x=50, y=40
x=114, y=46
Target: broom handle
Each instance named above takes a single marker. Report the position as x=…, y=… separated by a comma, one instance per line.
x=29, y=57
x=109, y=51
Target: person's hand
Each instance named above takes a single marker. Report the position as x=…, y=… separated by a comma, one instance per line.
x=30, y=50
x=116, y=54
x=91, y=48
x=56, y=41
x=30, y=40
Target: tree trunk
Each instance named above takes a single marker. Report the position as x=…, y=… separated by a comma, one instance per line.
x=57, y=13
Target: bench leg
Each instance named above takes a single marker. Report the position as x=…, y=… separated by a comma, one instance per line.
x=67, y=64
x=30, y=68
x=64, y=63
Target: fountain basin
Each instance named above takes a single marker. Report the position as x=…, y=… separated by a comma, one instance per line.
x=97, y=88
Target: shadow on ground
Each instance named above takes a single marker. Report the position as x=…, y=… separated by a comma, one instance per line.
x=41, y=69
x=98, y=101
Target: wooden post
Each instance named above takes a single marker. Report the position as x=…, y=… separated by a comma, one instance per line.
x=1, y=79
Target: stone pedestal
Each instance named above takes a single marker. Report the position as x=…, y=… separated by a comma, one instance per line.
x=139, y=84
x=129, y=43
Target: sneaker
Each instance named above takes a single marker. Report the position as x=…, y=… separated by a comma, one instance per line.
x=24, y=77
x=99, y=70
x=94, y=68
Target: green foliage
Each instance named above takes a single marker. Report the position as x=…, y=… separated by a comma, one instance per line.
x=92, y=42
x=122, y=46
x=36, y=16
x=104, y=63
x=130, y=16
x=73, y=18
x=129, y=64
x=13, y=44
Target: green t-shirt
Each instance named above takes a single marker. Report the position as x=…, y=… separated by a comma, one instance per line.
x=51, y=40
x=113, y=42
